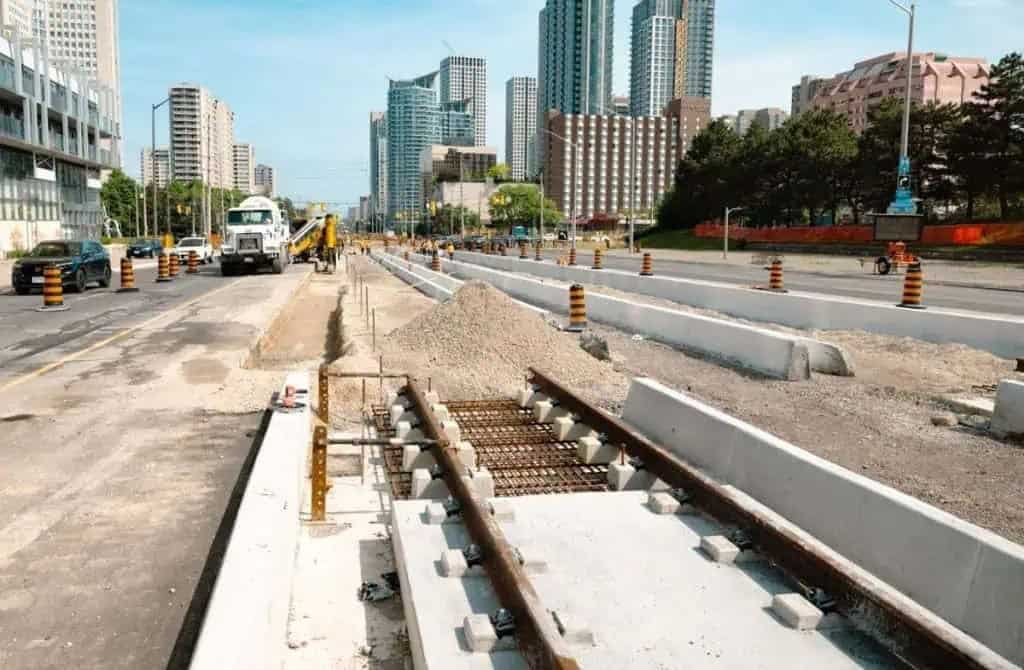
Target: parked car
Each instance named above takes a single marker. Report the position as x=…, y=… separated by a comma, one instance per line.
x=200, y=245
x=145, y=249
x=80, y=263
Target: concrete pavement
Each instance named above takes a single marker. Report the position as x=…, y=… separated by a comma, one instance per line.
x=120, y=461
x=865, y=286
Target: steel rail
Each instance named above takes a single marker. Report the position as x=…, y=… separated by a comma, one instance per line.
x=922, y=643
x=536, y=633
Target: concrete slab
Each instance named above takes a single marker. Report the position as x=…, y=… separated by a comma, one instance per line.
x=944, y=563
x=796, y=611
x=1008, y=418
x=719, y=617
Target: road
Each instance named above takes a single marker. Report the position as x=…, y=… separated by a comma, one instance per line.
x=866, y=287
x=127, y=423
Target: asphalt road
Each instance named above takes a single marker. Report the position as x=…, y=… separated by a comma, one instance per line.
x=866, y=287
x=126, y=428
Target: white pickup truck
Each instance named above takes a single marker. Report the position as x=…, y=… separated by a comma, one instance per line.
x=200, y=245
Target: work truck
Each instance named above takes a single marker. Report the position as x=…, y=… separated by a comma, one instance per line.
x=256, y=236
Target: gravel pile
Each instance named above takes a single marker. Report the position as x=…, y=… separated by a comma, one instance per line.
x=481, y=343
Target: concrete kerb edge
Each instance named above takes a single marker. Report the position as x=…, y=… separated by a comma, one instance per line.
x=422, y=284
x=255, y=352
x=996, y=333
x=246, y=620
x=966, y=575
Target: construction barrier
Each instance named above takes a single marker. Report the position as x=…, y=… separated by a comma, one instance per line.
x=522, y=251
x=127, y=277
x=572, y=255
x=912, y=287
x=163, y=268
x=539, y=256
x=598, y=264
x=501, y=248
x=960, y=234
x=577, y=309
x=193, y=263
x=435, y=262
x=646, y=269
x=174, y=265
x=775, y=282
x=53, y=291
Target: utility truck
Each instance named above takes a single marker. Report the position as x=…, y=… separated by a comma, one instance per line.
x=256, y=236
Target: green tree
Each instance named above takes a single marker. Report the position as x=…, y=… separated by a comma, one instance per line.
x=118, y=196
x=449, y=220
x=997, y=119
x=499, y=172
x=519, y=205
x=705, y=179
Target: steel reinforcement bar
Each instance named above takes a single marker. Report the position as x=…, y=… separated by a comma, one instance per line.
x=919, y=642
x=536, y=633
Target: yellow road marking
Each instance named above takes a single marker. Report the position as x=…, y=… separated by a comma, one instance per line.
x=113, y=338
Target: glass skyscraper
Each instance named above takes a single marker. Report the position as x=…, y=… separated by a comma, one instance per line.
x=700, y=47
x=413, y=123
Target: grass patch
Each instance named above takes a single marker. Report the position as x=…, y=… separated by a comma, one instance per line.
x=686, y=240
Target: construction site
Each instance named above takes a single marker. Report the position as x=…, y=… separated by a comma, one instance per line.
x=502, y=461
x=403, y=456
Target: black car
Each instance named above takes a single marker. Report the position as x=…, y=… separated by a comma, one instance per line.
x=79, y=263
x=145, y=249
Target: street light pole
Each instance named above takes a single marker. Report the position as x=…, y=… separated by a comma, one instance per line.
x=725, y=248
x=156, y=202
x=904, y=200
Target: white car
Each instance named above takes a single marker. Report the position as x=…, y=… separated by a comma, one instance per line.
x=200, y=245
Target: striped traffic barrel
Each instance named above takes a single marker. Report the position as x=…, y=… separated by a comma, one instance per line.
x=435, y=262
x=522, y=251
x=646, y=269
x=127, y=277
x=598, y=265
x=577, y=309
x=163, y=268
x=53, y=290
x=173, y=264
x=913, y=286
x=775, y=277
x=538, y=256
x=193, y=263
x=572, y=255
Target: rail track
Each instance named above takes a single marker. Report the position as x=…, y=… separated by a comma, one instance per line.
x=525, y=457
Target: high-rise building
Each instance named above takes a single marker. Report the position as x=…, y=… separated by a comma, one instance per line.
x=457, y=124
x=803, y=93
x=464, y=79
x=17, y=13
x=244, y=168
x=520, y=124
x=51, y=162
x=770, y=118
x=378, y=164
x=696, y=40
x=935, y=77
x=655, y=56
x=266, y=180
x=161, y=167
x=745, y=119
x=689, y=117
x=202, y=137
x=620, y=105
x=82, y=35
x=575, y=60
x=413, y=124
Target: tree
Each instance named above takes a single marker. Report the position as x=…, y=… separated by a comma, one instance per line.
x=997, y=118
x=118, y=196
x=519, y=205
x=448, y=220
x=499, y=172
x=704, y=179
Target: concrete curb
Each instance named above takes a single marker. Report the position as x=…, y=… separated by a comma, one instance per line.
x=765, y=352
x=246, y=621
x=252, y=357
x=999, y=334
x=968, y=576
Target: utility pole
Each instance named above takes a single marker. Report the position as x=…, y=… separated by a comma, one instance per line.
x=725, y=238
x=462, y=199
x=540, y=231
x=904, y=203
x=156, y=202
x=145, y=222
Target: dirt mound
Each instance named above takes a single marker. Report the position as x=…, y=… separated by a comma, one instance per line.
x=481, y=343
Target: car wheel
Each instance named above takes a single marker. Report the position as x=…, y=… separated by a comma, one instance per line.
x=79, y=286
x=227, y=270
x=21, y=290
x=105, y=280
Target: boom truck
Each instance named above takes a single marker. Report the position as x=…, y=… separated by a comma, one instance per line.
x=256, y=236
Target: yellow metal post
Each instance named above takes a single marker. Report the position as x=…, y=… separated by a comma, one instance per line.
x=319, y=474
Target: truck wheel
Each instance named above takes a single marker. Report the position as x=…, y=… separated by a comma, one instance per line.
x=883, y=266
x=277, y=265
x=227, y=270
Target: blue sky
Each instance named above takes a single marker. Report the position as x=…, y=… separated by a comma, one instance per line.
x=303, y=75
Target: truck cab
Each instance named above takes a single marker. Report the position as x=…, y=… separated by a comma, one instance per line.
x=256, y=235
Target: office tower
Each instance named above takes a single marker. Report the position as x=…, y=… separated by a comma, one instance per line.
x=457, y=124
x=413, y=124
x=695, y=42
x=575, y=49
x=202, y=137
x=266, y=180
x=162, y=166
x=620, y=105
x=656, y=55
x=244, y=168
x=464, y=79
x=17, y=13
x=378, y=164
x=803, y=94
x=520, y=124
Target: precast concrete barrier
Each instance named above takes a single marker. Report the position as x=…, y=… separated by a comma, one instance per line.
x=995, y=333
x=1008, y=417
x=247, y=617
x=968, y=576
x=766, y=352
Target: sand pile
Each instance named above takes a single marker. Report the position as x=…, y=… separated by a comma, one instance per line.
x=481, y=343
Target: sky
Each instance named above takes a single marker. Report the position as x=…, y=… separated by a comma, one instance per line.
x=302, y=76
